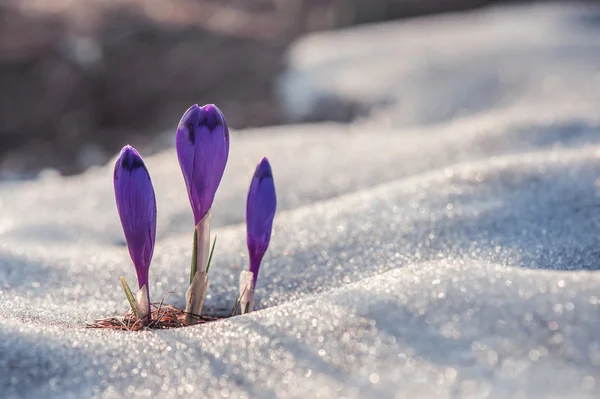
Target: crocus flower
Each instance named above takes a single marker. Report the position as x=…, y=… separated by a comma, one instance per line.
x=202, y=143
x=260, y=211
x=136, y=204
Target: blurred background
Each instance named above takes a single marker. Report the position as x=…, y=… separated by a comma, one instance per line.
x=81, y=78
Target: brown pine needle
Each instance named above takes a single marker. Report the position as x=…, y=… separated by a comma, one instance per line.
x=163, y=317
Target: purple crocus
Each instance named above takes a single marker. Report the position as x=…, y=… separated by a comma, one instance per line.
x=260, y=211
x=136, y=204
x=202, y=144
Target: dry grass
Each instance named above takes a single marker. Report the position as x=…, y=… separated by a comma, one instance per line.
x=163, y=317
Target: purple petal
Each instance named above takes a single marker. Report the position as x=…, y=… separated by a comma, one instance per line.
x=136, y=205
x=260, y=211
x=202, y=143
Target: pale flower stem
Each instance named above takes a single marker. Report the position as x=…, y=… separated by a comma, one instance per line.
x=246, y=292
x=199, y=280
x=195, y=295
x=142, y=299
x=203, y=229
x=194, y=256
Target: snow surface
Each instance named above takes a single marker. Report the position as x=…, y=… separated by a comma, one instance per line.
x=445, y=246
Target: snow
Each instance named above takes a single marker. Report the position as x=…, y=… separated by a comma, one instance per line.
x=444, y=246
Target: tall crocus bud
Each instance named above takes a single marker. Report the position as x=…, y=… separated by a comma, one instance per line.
x=136, y=205
x=260, y=211
x=202, y=143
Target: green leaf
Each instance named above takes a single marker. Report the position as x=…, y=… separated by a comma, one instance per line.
x=129, y=295
x=194, y=256
x=211, y=253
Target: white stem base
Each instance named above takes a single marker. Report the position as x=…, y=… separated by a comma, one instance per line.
x=141, y=299
x=246, y=292
x=195, y=295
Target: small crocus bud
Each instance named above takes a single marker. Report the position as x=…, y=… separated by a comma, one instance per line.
x=136, y=204
x=260, y=211
x=202, y=143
